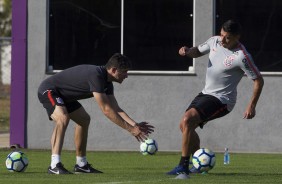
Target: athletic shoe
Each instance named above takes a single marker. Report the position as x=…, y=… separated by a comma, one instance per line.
x=179, y=169
x=193, y=170
x=85, y=169
x=182, y=176
x=59, y=169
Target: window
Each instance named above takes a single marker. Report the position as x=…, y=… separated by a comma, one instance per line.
x=155, y=30
x=261, y=22
x=150, y=33
x=83, y=32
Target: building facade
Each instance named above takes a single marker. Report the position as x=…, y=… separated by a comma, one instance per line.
x=157, y=96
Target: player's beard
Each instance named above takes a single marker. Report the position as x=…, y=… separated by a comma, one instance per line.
x=118, y=80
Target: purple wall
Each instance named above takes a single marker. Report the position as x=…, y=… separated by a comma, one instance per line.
x=18, y=73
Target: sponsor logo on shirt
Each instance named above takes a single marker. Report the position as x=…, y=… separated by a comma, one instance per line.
x=248, y=67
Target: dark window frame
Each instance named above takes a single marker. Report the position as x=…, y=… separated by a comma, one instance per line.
x=185, y=71
x=258, y=33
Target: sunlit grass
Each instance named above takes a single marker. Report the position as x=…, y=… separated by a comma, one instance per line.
x=132, y=167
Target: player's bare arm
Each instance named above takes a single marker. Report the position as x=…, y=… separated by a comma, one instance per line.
x=106, y=106
x=192, y=52
x=121, y=112
x=251, y=108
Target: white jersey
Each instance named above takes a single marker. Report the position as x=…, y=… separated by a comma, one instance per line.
x=225, y=70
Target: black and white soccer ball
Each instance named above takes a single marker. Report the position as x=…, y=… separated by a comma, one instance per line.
x=149, y=147
x=203, y=160
x=16, y=161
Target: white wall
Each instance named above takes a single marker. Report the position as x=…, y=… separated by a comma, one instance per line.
x=160, y=100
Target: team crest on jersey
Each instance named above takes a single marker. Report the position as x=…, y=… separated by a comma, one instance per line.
x=59, y=100
x=228, y=60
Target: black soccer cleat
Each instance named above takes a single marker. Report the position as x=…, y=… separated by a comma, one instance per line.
x=59, y=169
x=85, y=169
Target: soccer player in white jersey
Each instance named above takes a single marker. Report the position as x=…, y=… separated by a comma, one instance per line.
x=228, y=63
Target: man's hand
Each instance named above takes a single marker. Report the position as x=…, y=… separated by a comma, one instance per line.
x=250, y=112
x=146, y=127
x=142, y=130
x=183, y=51
x=251, y=109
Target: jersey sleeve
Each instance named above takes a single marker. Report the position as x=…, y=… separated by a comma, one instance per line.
x=109, y=89
x=249, y=67
x=96, y=84
x=205, y=48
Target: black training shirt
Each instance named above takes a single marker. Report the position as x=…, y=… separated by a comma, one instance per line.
x=78, y=82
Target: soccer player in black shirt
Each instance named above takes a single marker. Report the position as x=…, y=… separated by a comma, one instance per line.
x=59, y=95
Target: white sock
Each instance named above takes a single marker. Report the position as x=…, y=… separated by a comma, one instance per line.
x=54, y=160
x=81, y=161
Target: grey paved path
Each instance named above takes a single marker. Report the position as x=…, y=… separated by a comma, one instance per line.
x=4, y=140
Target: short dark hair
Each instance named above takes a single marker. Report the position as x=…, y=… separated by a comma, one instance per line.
x=119, y=61
x=232, y=26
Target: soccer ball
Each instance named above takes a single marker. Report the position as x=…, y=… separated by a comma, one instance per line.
x=149, y=147
x=203, y=160
x=16, y=161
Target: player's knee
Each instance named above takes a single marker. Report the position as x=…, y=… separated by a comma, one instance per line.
x=186, y=120
x=191, y=118
x=62, y=120
x=63, y=124
x=184, y=124
x=86, y=120
x=83, y=120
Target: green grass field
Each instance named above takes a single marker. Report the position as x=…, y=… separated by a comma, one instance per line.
x=132, y=167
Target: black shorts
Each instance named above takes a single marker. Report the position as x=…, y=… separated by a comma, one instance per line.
x=209, y=107
x=50, y=99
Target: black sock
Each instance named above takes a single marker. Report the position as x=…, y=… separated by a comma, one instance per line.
x=184, y=161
